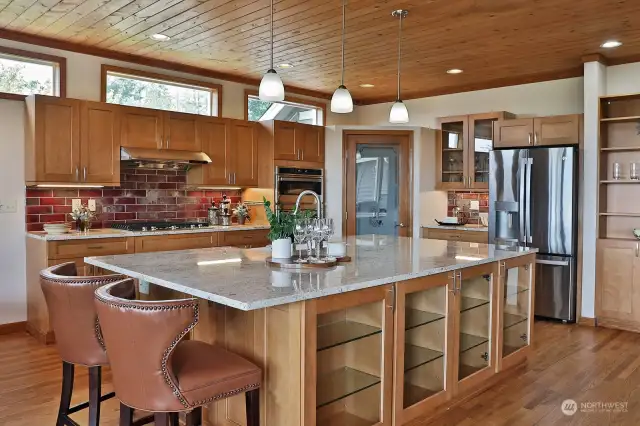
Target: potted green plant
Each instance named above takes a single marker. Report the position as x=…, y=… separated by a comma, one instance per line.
x=280, y=232
x=241, y=211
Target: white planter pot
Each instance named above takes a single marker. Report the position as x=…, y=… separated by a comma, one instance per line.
x=281, y=249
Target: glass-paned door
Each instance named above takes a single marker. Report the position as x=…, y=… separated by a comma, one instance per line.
x=377, y=190
x=453, y=146
x=474, y=291
x=481, y=143
x=516, y=306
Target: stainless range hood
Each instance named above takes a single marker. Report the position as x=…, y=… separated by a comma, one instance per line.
x=163, y=159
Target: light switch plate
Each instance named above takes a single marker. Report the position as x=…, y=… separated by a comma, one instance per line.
x=8, y=206
x=76, y=203
x=474, y=205
x=92, y=205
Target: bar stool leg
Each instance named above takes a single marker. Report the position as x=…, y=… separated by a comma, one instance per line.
x=65, y=395
x=174, y=419
x=161, y=419
x=194, y=417
x=126, y=415
x=252, y=400
x=95, y=392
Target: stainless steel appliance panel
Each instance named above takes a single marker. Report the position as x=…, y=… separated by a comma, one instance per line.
x=555, y=287
x=551, y=200
x=506, y=196
x=290, y=182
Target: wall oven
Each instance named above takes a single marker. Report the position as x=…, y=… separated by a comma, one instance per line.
x=291, y=181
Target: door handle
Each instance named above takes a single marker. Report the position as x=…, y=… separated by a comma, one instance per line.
x=400, y=225
x=84, y=173
x=562, y=262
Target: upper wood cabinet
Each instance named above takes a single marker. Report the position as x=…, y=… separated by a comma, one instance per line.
x=298, y=142
x=463, y=149
x=538, y=131
x=71, y=141
x=181, y=131
x=244, y=152
x=155, y=129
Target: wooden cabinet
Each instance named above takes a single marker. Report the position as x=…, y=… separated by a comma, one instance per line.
x=538, y=131
x=100, y=143
x=155, y=243
x=456, y=235
x=181, y=131
x=298, y=142
x=71, y=142
x=244, y=239
x=155, y=129
x=244, y=153
x=463, y=150
x=350, y=348
x=618, y=283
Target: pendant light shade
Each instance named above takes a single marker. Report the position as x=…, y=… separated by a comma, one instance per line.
x=399, y=113
x=271, y=87
x=341, y=102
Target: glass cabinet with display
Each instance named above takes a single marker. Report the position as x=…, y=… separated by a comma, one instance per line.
x=463, y=150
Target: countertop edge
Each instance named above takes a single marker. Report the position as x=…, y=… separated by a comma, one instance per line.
x=457, y=228
x=125, y=234
x=302, y=296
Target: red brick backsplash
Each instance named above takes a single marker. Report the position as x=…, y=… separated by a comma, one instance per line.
x=144, y=195
x=460, y=199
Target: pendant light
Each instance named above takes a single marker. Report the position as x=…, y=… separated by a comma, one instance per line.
x=341, y=101
x=271, y=87
x=399, y=113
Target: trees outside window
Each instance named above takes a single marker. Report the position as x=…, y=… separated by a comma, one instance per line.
x=24, y=73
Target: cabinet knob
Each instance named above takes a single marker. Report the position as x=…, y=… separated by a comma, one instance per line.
x=524, y=336
x=485, y=356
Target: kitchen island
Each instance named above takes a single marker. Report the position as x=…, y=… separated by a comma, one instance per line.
x=407, y=327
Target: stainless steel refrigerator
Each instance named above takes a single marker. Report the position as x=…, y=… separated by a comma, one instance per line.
x=533, y=198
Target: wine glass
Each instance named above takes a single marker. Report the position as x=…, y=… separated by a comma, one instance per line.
x=300, y=235
x=328, y=230
x=316, y=236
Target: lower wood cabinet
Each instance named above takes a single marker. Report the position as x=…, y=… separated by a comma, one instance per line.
x=456, y=235
x=244, y=239
x=155, y=243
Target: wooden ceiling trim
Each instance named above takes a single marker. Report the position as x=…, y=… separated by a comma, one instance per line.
x=151, y=62
x=594, y=57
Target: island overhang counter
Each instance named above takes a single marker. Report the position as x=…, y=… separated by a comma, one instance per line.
x=407, y=327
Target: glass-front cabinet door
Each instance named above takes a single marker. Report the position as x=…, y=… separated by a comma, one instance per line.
x=453, y=147
x=421, y=334
x=480, y=144
x=475, y=320
x=516, y=319
x=353, y=358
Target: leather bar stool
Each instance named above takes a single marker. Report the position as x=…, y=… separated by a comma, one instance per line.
x=72, y=311
x=155, y=370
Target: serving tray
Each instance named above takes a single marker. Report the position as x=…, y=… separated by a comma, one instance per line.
x=292, y=264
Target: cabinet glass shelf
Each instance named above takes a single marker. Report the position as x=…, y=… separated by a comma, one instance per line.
x=344, y=418
x=414, y=394
x=468, y=303
x=342, y=383
x=341, y=332
x=512, y=290
x=416, y=318
x=470, y=341
x=511, y=320
x=416, y=356
x=467, y=370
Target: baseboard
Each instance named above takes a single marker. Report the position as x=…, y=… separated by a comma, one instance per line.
x=44, y=338
x=587, y=322
x=13, y=327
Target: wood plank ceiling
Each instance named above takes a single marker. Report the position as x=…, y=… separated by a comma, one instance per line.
x=495, y=42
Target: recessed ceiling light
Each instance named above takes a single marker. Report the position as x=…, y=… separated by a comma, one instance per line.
x=454, y=71
x=160, y=37
x=610, y=44
x=367, y=85
x=285, y=65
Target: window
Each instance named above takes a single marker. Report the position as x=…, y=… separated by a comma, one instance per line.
x=25, y=73
x=298, y=110
x=148, y=90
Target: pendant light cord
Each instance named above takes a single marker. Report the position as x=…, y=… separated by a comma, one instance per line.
x=399, y=53
x=344, y=2
x=271, y=35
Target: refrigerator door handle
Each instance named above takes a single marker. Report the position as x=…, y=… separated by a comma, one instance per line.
x=552, y=262
x=521, y=201
x=529, y=231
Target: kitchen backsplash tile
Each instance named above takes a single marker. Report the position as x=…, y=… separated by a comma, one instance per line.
x=144, y=195
x=461, y=199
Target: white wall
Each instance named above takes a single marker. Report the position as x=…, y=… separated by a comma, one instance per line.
x=623, y=79
x=535, y=99
x=13, y=290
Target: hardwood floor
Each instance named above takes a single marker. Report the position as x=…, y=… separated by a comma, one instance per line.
x=570, y=362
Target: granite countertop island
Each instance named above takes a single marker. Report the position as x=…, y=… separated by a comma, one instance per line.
x=240, y=278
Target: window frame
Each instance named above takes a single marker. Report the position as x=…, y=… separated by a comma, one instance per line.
x=59, y=64
x=318, y=105
x=216, y=89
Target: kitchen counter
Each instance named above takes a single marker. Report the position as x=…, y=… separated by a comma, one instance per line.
x=239, y=278
x=478, y=228
x=117, y=233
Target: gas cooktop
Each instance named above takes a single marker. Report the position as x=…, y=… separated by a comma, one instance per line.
x=158, y=226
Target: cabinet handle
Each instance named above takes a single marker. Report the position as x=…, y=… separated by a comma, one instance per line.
x=84, y=173
x=77, y=173
x=637, y=249
x=168, y=140
x=453, y=278
x=460, y=281
x=529, y=138
x=95, y=247
x=535, y=138
x=234, y=178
